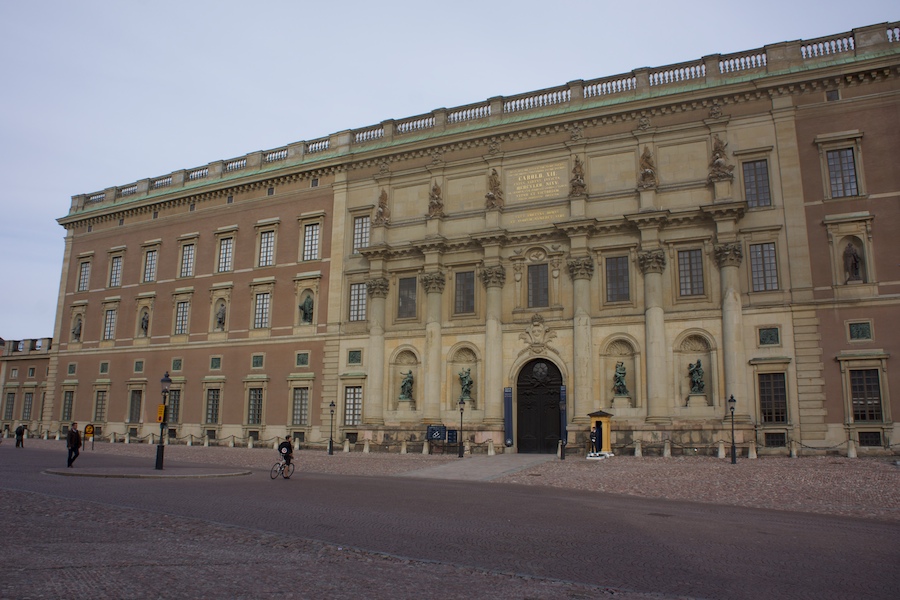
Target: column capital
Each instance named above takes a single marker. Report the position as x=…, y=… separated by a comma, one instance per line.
x=581, y=267
x=494, y=276
x=433, y=282
x=729, y=255
x=652, y=261
x=378, y=287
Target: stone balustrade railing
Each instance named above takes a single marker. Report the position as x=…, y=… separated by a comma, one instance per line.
x=709, y=71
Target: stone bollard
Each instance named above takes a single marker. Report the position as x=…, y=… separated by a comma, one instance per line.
x=57, y=436
x=667, y=449
x=467, y=448
x=793, y=449
x=403, y=447
x=851, y=448
x=491, y=450
x=127, y=438
x=45, y=435
x=231, y=442
x=751, y=450
x=275, y=444
x=721, y=449
x=346, y=445
x=112, y=438
x=426, y=447
x=190, y=441
x=250, y=442
x=366, y=447
x=206, y=441
x=637, y=448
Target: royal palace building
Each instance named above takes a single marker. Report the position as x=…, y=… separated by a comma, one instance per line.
x=633, y=251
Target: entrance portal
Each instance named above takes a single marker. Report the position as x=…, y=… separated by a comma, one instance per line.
x=537, y=400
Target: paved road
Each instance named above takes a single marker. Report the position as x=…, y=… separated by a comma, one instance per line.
x=444, y=538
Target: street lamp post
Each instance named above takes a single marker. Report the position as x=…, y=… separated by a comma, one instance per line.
x=563, y=433
x=731, y=403
x=462, y=406
x=166, y=383
x=331, y=430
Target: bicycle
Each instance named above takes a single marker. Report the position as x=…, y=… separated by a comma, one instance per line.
x=282, y=468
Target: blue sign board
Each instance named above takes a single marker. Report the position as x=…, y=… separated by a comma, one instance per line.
x=507, y=417
x=437, y=433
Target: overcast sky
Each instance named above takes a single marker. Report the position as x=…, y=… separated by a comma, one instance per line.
x=95, y=94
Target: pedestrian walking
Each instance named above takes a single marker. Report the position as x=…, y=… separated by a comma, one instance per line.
x=20, y=436
x=73, y=443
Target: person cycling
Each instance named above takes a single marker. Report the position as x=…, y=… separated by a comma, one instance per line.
x=286, y=450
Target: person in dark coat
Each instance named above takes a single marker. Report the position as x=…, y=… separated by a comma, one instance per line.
x=20, y=436
x=73, y=443
x=286, y=450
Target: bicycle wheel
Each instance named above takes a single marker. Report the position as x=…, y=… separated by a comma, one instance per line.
x=288, y=471
x=275, y=471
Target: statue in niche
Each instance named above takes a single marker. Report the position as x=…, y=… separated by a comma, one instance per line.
x=145, y=323
x=306, y=310
x=406, y=386
x=852, y=262
x=719, y=169
x=696, y=373
x=382, y=213
x=494, y=197
x=647, y=174
x=619, y=387
x=465, y=383
x=577, y=182
x=220, y=317
x=76, y=330
x=435, y=202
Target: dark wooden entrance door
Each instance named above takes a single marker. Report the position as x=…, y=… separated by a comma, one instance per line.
x=537, y=400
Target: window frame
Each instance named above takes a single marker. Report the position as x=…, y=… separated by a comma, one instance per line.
x=116, y=268
x=187, y=255
x=84, y=276
x=537, y=281
x=626, y=258
x=465, y=295
x=764, y=268
x=407, y=298
x=833, y=142
x=688, y=277
x=357, y=303
x=362, y=233
x=353, y=404
x=150, y=261
x=752, y=196
x=300, y=406
x=266, y=242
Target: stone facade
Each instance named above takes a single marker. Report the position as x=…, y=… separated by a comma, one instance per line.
x=647, y=245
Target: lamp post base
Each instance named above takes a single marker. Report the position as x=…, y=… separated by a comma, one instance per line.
x=160, y=454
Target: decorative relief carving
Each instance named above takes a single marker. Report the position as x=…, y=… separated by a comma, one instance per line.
x=378, y=287
x=581, y=268
x=577, y=132
x=729, y=255
x=647, y=173
x=494, y=147
x=494, y=197
x=715, y=111
x=652, y=261
x=577, y=185
x=536, y=335
x=493, y=276
x=382, y=213
x=435, y=202
x=644, y=123
x=384, y=167
x=719, y=169
x=695, y=343
x=433, y=282
x=620, y=348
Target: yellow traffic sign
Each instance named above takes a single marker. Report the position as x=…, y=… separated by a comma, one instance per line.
x=88, y=429
x=160, y=413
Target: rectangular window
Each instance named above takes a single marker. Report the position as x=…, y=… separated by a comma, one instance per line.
x=311, y=242
x=842, y=173
x=70, y=369
x=354, y=357
x=212, y=405
x=870, y=439
x=215, y=362
x=261, y=311
x=174, y=408
x=9, y=406
x=763, y=269
x=226, y=246
x=860, y=331
x=84, y=276
x=104, y=368
x=360, y=233
x=256, y=361
x=358, y=302
x=68, y=401
x=772, y=398
x=266, y=248
x=464, y=300
x=756, y=183
x=182, y=313
x=150, y=266
x=109, y=324
x=254, y=407
x=776, y=440
x=134, y=407
x=690, y=272
x=538, y=286
x=187, y=261
x=100, y=407
x=26, y=406
x=406, y=299
x=617, y=279
x=14, y=373
x=303, y=359
x=865, y=393
x=300, y=409
x=31, y=371
x=115, y=272
x=138, y=366
x=353, y=405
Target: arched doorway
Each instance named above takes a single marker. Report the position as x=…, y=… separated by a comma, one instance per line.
x=537, y=402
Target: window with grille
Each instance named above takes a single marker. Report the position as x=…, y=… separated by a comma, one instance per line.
x=100, y=406
x=772, y=398
x=266, y=248
x=776, y=440
x=26, y=406
x=302, y=359
x=538, y=286
x=138, y=366
x=9, y=406
x=865, y=393
x=360, y=233
x=109, y=324
x=115, y=271
x=68, y=400
x=256, y=361
x=690, y=272
x=215, y=362
x=150, y=266
x=187, y=261
x=226, y=246
x=300, y=409
x=406, y=298
x=134, y=407
x=353, y=405
x=763, y=268
x=104, y=368
x=311, y=242
x=254, y=406
x=174, y=407
x=358, y=302
x=212, y=405
x=261, y=311
x=617, y=279
x=870, y=439
x=84, y=276
x=756, y=183
x=842, y=173
x=182, y=313
x=464, y=295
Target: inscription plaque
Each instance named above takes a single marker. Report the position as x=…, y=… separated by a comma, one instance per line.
x=538, y=183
